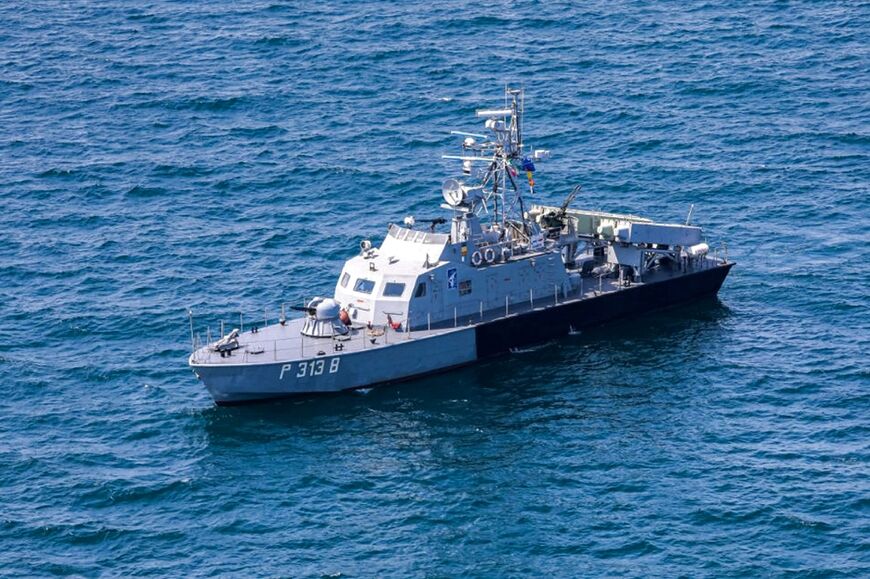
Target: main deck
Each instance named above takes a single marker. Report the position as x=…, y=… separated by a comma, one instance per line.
x=285, y=343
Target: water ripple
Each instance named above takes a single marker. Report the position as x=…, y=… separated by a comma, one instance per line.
x=230, y=156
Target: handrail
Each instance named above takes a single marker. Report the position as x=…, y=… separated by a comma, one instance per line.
x=467, y=313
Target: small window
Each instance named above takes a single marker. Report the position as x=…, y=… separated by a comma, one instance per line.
x=393, y=290
x=364, y=286
x=465, y=287
x=344, y=279
x=421, y=290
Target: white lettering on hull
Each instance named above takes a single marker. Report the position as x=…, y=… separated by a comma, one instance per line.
x=309, y=368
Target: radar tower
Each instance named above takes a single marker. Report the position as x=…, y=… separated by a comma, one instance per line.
x=500, y=156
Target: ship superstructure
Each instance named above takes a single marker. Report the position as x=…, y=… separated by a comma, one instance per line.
x=496, y=272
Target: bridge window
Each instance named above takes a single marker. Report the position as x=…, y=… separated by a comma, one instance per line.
x=344, y=279
x=393, y=290
x=421, y=290
x=364, y=286
x=465, y=287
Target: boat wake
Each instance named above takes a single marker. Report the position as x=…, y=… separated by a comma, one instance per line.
x=530, y=349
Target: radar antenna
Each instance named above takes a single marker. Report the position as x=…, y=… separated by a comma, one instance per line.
x=502, y=155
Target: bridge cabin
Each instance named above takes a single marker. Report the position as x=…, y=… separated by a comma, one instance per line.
x=428, y=278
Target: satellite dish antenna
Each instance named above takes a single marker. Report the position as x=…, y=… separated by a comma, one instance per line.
x=453, y=192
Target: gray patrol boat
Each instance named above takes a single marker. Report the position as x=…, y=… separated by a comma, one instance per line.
x=492, y=275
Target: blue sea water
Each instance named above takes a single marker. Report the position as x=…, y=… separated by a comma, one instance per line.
x=228, y=156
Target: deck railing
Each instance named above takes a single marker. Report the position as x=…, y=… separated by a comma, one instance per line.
x=419, y=324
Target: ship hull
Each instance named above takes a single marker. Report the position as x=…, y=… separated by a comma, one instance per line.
x=519, y=331
x=244, y=383
x=240, y=383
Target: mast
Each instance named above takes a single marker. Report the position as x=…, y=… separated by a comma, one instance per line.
x=495, y=159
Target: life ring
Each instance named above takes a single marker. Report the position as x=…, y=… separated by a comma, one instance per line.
x=489, y=255
x=476, y=259
x=505, y=253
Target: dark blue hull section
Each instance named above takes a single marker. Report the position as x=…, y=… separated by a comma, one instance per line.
x=533, y=327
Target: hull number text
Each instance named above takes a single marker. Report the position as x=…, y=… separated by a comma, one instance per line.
x=310, y=368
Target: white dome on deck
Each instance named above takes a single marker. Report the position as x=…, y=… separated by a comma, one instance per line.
x=327, y=309
x=324, y=322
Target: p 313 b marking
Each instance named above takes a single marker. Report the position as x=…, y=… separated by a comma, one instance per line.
x=309, y=368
